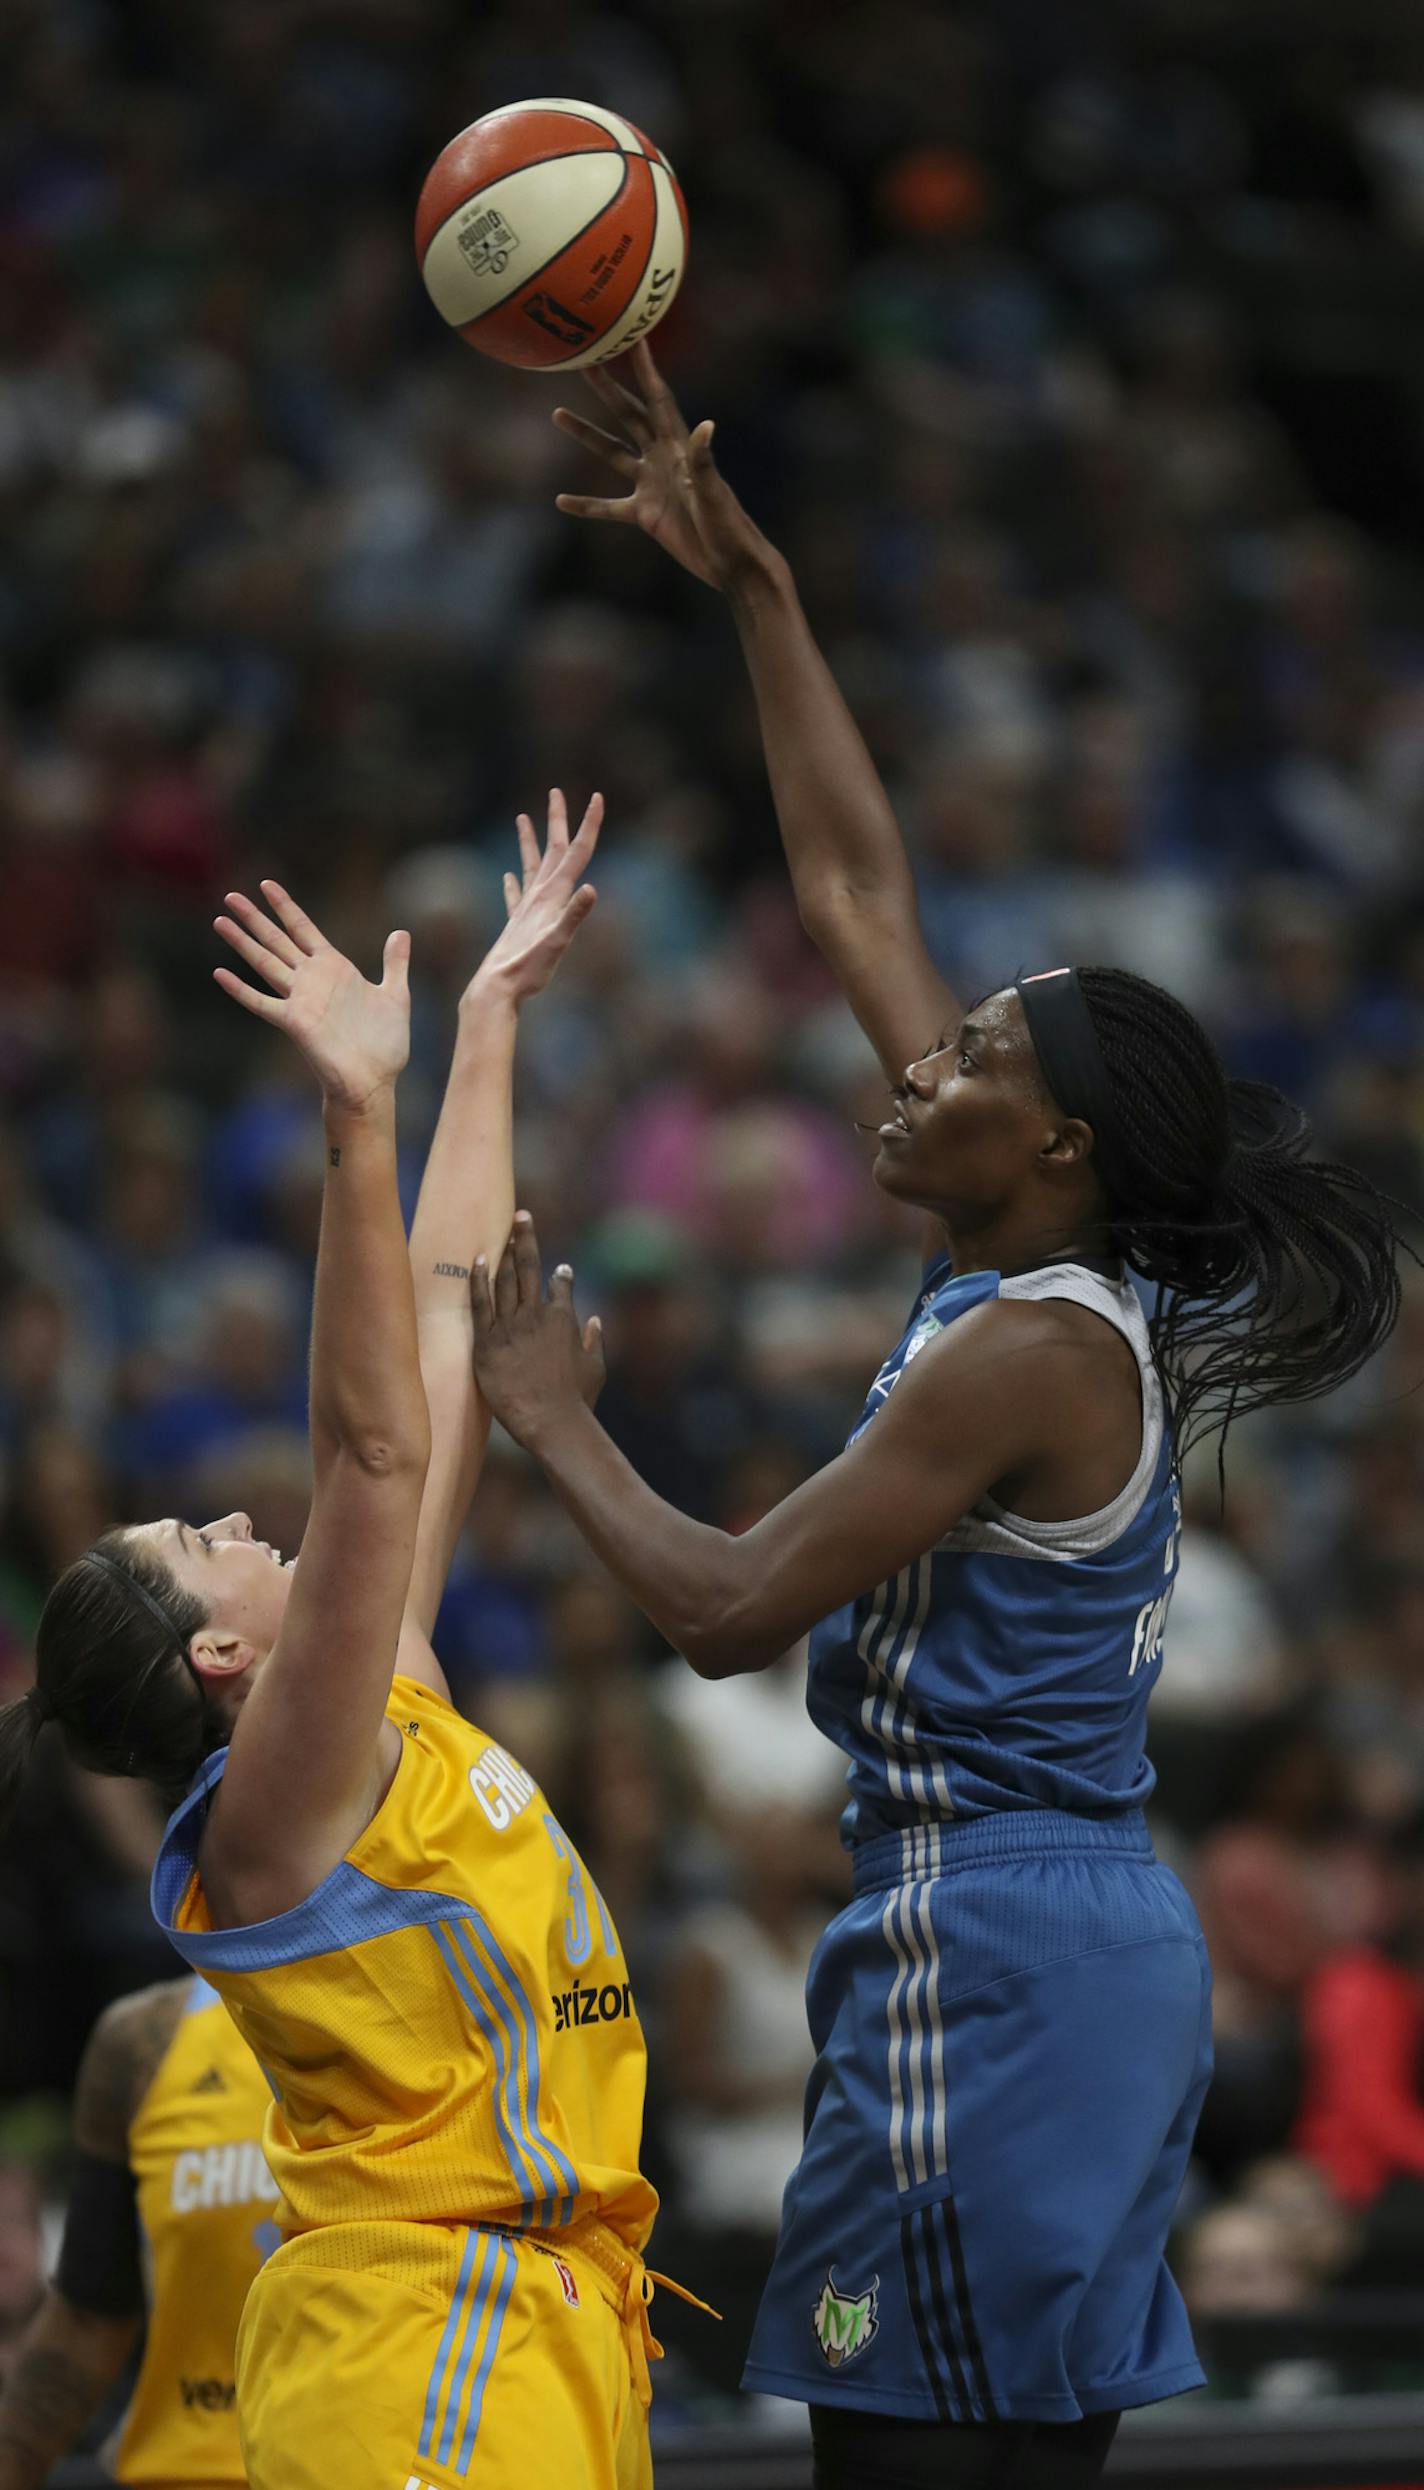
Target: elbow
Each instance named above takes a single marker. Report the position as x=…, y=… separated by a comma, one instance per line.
x=726, y=1639
x=705, y=1656
x=398, y=1454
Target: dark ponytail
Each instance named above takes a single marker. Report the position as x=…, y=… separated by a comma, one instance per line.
x=1277, y=1270
x=20, y=1726
x=111, y=1670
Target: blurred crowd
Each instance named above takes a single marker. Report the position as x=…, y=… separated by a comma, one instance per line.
x=1072, y=354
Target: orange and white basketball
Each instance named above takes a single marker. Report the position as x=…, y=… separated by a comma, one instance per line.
x=551, y=234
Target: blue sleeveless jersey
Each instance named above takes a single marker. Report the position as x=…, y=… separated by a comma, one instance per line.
x=1009, y=1666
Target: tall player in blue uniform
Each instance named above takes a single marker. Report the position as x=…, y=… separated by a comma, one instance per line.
x=1012, y=2016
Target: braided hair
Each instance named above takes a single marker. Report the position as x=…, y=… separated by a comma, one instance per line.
x=1276, y=1270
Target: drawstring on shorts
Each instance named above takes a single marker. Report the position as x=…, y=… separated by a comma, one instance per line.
x=628, y=2283
x=643, y=2344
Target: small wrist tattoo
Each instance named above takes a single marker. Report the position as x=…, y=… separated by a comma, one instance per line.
x=451, y=1271
x=335, y=1155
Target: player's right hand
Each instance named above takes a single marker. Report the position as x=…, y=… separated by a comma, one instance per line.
x=355, y=1035
x=545, y=903
x=676, y=495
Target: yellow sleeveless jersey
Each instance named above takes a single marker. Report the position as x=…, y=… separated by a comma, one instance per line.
x=206, y=2202
x=446, y=2022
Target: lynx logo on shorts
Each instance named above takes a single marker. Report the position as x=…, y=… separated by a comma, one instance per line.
x=844, y=2325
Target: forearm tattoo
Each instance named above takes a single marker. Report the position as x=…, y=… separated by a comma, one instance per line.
x=48, y=2401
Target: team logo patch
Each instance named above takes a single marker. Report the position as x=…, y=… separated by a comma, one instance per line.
x=567, y=2283
x=926, y=1331
x=844, y=2325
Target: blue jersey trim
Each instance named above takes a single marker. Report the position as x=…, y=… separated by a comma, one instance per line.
x=347, y=1908
x=492, y=2014
x=509, y=2263
x=491, y=2264
x=563, y=2167
x=435, y=2389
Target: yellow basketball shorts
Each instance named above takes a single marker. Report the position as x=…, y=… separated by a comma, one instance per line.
x=416, y=2356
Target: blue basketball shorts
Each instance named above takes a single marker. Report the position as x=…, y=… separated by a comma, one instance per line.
x=1012, y=2022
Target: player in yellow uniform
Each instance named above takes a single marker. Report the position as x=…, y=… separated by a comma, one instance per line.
x=397, y=1923
x=170, y=2214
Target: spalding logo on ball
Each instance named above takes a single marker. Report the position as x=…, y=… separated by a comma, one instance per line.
x=551, y=234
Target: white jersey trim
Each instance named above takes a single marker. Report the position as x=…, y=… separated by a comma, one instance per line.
x=919, y=2120
x=988, y=1529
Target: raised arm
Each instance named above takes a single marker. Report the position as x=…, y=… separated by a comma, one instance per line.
x=466, y=1199
x=306, y=1768
x=849, y=869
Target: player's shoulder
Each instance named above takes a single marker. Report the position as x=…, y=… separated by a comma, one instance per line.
x=1018, y=1369
x=144, y=2020
x=125, y=2049
x=992, y=1324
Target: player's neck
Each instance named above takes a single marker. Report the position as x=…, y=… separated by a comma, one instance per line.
x=1013, y=1247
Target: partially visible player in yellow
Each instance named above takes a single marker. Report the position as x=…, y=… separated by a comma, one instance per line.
x=169, y=2216
x=398, y=1925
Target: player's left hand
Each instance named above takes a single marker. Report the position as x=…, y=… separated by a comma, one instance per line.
x=533, y=1360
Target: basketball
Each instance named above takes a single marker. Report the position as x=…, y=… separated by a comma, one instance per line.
x=551, y=234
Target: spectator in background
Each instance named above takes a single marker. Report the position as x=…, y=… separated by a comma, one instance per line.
x=21, y=2254
x=675, y=1403
x=1361, y=2116
x=1276, y=1884
x=1243, y=2260
x=1242, y=2265
x=1137, y=635
x=237, y=1365
x=737, y=2057
x=491, y=1623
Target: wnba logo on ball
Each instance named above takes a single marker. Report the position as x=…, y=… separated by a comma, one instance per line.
x=488, y=243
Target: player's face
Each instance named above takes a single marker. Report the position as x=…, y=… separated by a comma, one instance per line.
x=968, y=1116
x=241, y=1581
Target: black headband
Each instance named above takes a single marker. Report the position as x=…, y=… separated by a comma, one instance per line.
x=155, y=1607
x=93, y=1556
x=158, y=1609
x=1071, y=1060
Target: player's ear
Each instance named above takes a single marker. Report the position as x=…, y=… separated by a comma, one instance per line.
x=213, y=1653
x=1068, y=1144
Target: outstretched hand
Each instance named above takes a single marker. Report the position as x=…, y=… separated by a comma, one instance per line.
x=355, y=1035
x=545, y=902
x=533, y=1361
x=675, y=493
